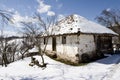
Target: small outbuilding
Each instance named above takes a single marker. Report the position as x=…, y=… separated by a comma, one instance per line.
x=77, y=39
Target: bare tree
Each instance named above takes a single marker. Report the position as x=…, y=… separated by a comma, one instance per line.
x=11, y=51
x=30, y=32
x=34, y=32
x=47, y=26
x=5, y=18
x=109, y=18
x=3, y=49
x=24, y=47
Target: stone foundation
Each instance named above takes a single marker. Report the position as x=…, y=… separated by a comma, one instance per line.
x=63, y=57
x=73, y=59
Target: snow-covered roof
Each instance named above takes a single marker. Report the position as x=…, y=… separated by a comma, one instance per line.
x=75, y=23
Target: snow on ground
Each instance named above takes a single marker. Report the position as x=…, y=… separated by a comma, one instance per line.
x=99, y=70
x=116, y=75
x=34, y=49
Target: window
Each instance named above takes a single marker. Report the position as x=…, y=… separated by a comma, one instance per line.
x=63, y=39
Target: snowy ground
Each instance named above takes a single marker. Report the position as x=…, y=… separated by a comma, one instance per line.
x=104, y=69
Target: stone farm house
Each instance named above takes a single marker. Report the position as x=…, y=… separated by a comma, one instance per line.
x=76, y=39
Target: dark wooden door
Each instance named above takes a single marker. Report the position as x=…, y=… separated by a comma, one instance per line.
x=54, y=43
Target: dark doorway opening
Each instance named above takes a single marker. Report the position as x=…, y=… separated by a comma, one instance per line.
x=54, y=43
x=104, y=43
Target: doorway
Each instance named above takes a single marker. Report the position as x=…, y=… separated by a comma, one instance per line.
x=54, y=43
x=104, y=43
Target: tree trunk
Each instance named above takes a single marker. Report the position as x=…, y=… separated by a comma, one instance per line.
x=4, y=60
x=24, y=53
x=40, y=52
x=13, y=57
x=42, y=59
x=22, y=56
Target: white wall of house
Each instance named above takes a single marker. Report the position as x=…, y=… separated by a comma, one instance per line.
x=70, y=48
x=49, y=45
x=86, y=44
x=75, y=44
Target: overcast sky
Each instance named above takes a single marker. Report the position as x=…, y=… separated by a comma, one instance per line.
x=86, y=8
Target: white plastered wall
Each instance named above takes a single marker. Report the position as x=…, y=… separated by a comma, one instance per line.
x=70, y=48
x=86, y=44
x=75, y=44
